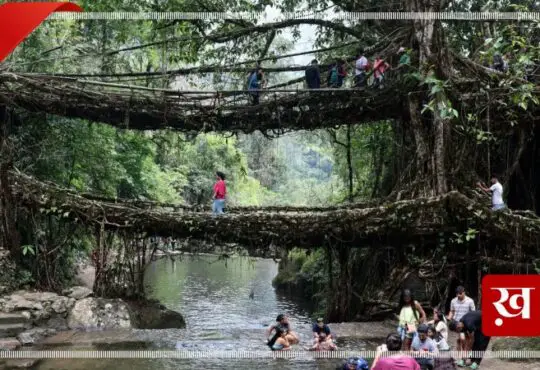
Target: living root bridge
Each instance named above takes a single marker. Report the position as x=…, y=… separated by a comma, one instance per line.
x=258, y=228
x=154, y=109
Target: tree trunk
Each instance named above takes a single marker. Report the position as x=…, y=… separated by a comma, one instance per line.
x=10, y=238
x=349, y=163
x=429, y=133
x=340, y=299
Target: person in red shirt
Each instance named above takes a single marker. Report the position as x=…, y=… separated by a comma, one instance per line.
x=379, y=68
x=220, y=190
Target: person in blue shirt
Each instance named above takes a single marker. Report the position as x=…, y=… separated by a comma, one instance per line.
x=355, y=363
x=320, y=327
x=256, y=81
x=423, y=343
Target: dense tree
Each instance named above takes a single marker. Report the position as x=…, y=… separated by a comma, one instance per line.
x=444, y=139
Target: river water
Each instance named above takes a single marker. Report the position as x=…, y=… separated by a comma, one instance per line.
x=213, y=296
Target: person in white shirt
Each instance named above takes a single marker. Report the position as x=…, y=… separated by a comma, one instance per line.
x=496, y=190
x=459, y=307
x=439, y=323
x=360, y=75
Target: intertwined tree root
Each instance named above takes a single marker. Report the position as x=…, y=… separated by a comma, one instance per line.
x=259, y=227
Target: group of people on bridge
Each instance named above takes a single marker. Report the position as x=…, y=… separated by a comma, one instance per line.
x=415, y=345
x=336, y=74
x=363, y=69
x=220, y=192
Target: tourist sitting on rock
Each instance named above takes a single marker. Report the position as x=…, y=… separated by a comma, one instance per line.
x=423, y=343
x=441, y=362
x=354, y=363
x=323, y=343
x=475, y=340
x=396, y=360
x=440, y=342
x=411, y=314
x=320, y=327
x=284, y=325
x=440, y=327
x=280, y=343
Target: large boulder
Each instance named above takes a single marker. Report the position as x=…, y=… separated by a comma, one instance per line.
x=40, y=306
x=150, y=314
x=99, y=313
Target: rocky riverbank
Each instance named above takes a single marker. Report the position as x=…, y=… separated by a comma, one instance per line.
x=26, y=318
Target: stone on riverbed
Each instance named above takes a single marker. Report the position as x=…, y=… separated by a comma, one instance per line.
x=150, y=314
x=78, y=292
x=34, y=335
x=9, y=344
x=21, y=363
x=99, y=313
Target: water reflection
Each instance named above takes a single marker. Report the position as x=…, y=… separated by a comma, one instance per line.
x=213, y=296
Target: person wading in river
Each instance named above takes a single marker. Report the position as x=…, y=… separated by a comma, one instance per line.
x=320, y=327
x=220, y=190
x=280, y=341
x=411, y=314
x=284, y=325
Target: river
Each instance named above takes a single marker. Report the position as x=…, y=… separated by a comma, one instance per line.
x=213, y=296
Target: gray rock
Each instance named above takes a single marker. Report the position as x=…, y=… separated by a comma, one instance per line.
x=22, y=363
x=26, y=314
x=9, y=344
x=17, y=303
x=60, y=305
x=99, y=313
x=57, y=323
x=153, y=315
x=34, y=335
x=40, y=296
x=78, y=292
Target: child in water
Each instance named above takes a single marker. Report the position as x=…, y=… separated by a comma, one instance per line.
x=279, y=342
x=323, y=343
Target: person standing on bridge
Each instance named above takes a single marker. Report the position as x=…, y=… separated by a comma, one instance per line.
x=220, y=190
x=361, y=68
x=497, y=192
x=313, y=75
x=256, y=81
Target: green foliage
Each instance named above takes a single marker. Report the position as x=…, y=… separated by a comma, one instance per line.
x=28, y=249
x=467, y=236
x=371, y=156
